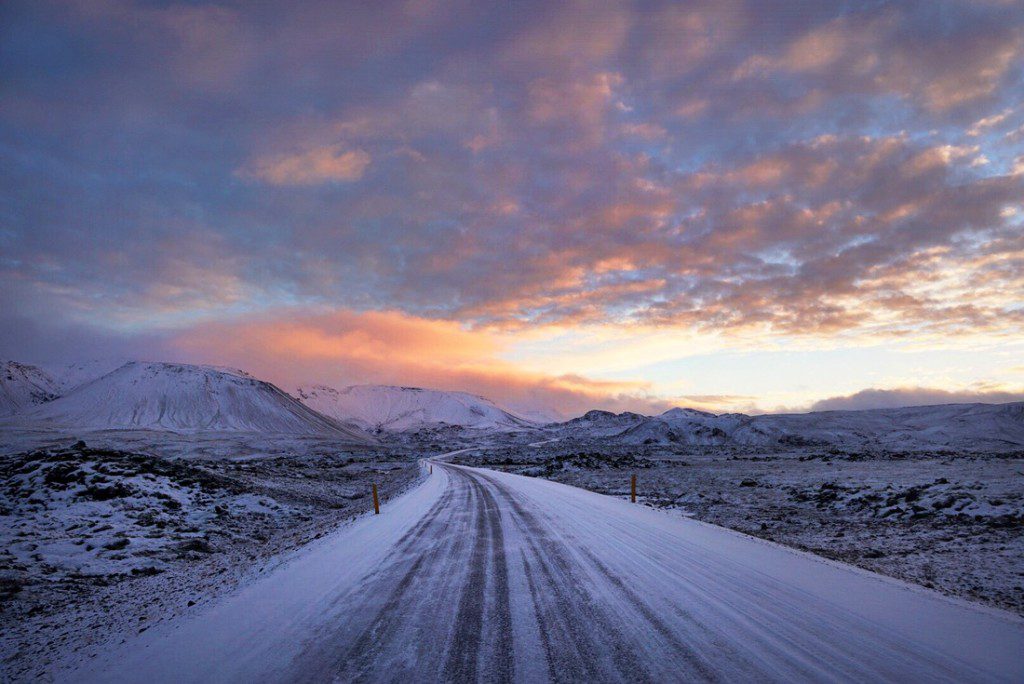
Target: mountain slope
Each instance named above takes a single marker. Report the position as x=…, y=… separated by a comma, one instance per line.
x=401, y=409
x=599, y=423
x=185, y=398
x=23, y=386
x=70, y=376
x=952, y=426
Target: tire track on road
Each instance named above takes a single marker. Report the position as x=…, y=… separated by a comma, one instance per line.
x=464, y=647
x=484, y=601
x=358, y=657
x=534, y=528
x=502, y=664
x=576, y=611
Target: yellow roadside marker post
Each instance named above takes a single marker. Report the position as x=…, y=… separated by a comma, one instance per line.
x=376, y=501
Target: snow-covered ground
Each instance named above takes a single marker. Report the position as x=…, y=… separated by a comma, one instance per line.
x=99, y=541
x=79, y=520
x=485, y=576
x=912, y=516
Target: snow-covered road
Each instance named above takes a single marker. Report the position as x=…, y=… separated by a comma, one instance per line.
x=483, y=576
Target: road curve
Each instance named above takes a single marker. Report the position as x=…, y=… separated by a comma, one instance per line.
x=485, y=576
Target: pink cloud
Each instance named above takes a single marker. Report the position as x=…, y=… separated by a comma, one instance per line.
x=311, y=167
x=343, y=347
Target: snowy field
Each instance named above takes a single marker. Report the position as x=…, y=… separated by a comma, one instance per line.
x=103, y=538
x=914, y=516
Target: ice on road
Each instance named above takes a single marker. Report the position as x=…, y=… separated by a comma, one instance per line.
x=478, y=575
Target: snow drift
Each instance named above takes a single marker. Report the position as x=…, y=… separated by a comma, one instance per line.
x=402, y=409
x=185, y=398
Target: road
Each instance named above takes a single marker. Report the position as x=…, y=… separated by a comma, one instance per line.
x=483, y=576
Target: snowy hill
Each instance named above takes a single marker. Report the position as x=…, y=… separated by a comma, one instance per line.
x=70, y=376
x=598, y=423
x=404, y=409
x=23, y=386
x=179, y=397
x=185, y=398
x=951, y=426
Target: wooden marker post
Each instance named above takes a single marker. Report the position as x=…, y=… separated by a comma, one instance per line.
x=376, y=502
x=632, y=489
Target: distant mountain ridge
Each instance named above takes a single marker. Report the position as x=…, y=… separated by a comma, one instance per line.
x=191, y=398
x=949, y=426
x=184, y=398
x=403, y=409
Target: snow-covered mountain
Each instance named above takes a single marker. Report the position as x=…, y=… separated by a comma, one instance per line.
x=180, y=397
x=70, y=376
x=540, y=416
x=405, y=409
x=23, y=386
x=951, y=426
x=185, y=398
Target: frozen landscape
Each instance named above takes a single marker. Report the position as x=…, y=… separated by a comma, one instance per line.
x=158, y=516
x=438, y=341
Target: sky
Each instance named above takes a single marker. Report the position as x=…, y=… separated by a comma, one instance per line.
x=735, y=206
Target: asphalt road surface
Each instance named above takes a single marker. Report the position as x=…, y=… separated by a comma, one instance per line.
x=477, y=575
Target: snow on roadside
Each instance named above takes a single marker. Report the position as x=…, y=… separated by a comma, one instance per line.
x=97, y=543
x=916, y=517
x=99, y=512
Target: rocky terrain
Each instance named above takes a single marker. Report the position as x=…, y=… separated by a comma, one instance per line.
x=99, y=542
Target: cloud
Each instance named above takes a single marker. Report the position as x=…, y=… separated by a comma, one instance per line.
x=29, y=340
x=312, y=167
x=893, y=51
x=710, y=168
x=343, y=347
x=914, y=396
x=340, y=348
